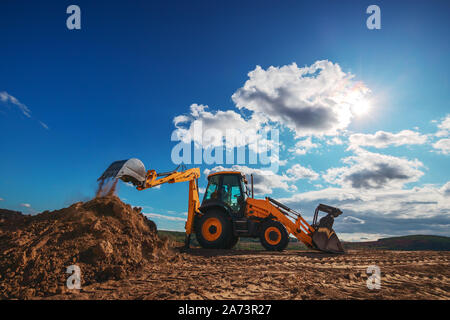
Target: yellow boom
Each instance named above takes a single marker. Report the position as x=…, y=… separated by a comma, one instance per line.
x=154, y=179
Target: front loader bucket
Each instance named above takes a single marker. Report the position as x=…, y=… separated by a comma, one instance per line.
x=326, y=240
x=132, y=170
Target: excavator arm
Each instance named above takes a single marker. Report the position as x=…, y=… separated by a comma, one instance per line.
x=154, y=179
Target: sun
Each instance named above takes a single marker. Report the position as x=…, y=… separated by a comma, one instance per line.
x=361, y=107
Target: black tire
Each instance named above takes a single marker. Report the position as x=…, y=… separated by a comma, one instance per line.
x=232, y=242
x=273, y=236
x=213, y=230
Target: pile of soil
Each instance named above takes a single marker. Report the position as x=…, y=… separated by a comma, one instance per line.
x=106, y=238
x=10, y=215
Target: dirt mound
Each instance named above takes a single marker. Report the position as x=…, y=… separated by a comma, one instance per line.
x=104, y=237
x=10, y=215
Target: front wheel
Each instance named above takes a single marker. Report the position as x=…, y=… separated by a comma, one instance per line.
x=273, y=236
x=214, y=230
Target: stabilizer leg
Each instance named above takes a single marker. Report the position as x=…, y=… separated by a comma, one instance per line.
x=187, y=242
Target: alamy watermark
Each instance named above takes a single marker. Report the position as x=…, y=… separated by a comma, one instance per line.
x=74, y=281
x=374, y=20
x=73, y=21
x=374, y=280
x=234, y=146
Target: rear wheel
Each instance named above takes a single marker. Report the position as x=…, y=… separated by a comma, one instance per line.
x=273, y=236
x=214, y=230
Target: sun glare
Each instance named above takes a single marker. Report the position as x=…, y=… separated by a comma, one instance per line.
x=362, y=107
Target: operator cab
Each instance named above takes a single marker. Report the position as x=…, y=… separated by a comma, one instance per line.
x=226, y=189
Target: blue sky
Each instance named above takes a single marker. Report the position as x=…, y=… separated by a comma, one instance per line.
x=73, y=101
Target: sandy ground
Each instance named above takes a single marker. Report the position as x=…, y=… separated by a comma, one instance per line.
x=217, y=274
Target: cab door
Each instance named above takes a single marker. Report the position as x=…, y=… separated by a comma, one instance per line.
x=232, y=193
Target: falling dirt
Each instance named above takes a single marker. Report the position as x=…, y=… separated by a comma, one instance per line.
x=106, y=238
x=106, y=188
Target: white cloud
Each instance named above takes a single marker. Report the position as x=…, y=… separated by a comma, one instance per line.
x=368, y=170
x=297, y=172
x=360, y=236
x=1, y=199
x=130, y=185
x=443, y=146
x=264, y=180
x=314, y=100
x=444, y=127
x=303, y=146
x=44, y=125
x=7, y=98
x=161, y=216
x=332, y=194
x=319, y=99
x=428, y=201
x=350, y=219
x=210, y=128
x=445, y=189
x=383, y=139
x=275, y=159
x=335, y=141
x=26, y=205
x=394, y=212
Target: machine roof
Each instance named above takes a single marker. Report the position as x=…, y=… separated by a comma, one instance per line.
x=225, y=172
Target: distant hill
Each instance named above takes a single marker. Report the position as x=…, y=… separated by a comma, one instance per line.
x=405, y=243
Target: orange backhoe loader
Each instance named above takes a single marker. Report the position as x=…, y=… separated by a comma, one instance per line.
x=229, y=210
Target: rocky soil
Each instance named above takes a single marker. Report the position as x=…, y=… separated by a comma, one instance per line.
x=106, y=238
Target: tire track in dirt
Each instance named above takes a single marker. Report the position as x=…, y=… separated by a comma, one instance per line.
x=209, y=274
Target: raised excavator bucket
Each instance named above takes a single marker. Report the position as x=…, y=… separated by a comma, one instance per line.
x=324, y=238
x=131, y=170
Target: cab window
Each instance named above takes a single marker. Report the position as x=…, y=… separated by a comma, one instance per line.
x=231, y=192
x=212, y=189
